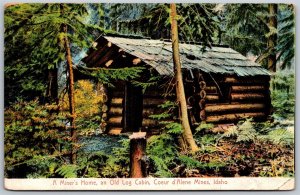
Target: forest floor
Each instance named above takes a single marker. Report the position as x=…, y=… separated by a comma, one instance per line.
x=225, y=157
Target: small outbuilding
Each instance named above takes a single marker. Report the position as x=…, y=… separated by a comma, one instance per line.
x=221, y=85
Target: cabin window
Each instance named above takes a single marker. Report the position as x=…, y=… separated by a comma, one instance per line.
x=133, y=108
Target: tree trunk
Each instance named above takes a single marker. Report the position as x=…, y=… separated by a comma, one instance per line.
x=138, y=159
x=187, y=133
x=52, y=86
x=273, y=9
x=70, y=90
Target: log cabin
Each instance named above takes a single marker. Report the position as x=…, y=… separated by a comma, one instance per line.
x=221, y=85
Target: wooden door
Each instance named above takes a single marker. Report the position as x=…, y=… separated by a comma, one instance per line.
x=133, y=108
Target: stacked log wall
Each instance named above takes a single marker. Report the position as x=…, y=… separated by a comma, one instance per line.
x=115, y=110
x=248, y=97
x=152, y=98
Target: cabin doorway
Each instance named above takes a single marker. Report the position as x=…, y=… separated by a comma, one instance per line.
x=133, y=108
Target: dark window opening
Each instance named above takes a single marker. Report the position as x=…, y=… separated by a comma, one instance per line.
x=133, y=108
x=224, y=93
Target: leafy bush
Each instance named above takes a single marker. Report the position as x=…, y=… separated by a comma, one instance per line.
x=89, y=100
x=35, y=140
x=283, y=95
x=243, y=131
x=162, y=148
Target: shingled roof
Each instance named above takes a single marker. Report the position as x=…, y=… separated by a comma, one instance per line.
x=158, y=54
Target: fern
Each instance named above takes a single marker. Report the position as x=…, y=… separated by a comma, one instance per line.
x=281, y=136
x=162, y=152
x=230, y=132
x=204, y=126
x=190, y=163
x=67, y=171
x=174, y=128
x=160, y=116
x=246, y=132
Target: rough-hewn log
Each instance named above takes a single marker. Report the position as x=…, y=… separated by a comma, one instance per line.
x=117, y=101
x=96, y=54
x=202, y=94
x=248, y=88
x=136, y=61
x=117, y=93
x=233, y=80
x=202, y=115
x=138, y=164
x=116, y=111
x=115, y=131
x=212, y=98
x=233, y=107
x=202, y=104
x=104, y=116
x=115, y=121
x=104, y=108
x=149, y=111
x=211, y=89
x=246, y=96
x=191, y=100
x=202, y=85
x=233, y=117
x=108, y=63
x=149, y=122
x=152, y=101
x=155, y=93
x=109, y=55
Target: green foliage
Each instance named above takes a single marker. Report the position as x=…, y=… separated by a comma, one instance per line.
x=174, y=128
x=89, y=99
x=204, y=126
x=244, y=24
x=280, y=137
x=286, y=39
x=283, y=95
x=152, y=81
x=106, y=76
x=197, y=22
x=244, y=27
x=162, y=150
x=117, y=164
x=35, y=139
x=189, y=162
x=34, y=46
x=67, y=171
x=244, y=132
